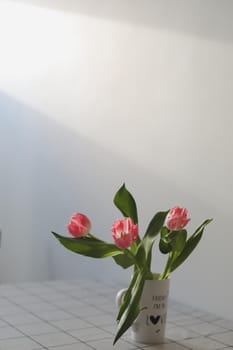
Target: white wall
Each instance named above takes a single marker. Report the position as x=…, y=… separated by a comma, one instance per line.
x=96, y=93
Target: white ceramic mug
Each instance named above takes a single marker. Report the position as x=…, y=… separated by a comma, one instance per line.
x=149, y=327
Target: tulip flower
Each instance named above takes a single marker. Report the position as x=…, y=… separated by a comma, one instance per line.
x=124, y=232
x=79, y=225
x=177, y=219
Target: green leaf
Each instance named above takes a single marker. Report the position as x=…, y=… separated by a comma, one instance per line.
x=190, y=245
x=123, y=260
x=89, y=246
x=145, y=247
x=141, y=255
x=155, y=225
x=178, y=240
x=172, y=241
x=164, y=245
x=125, y=202
x=164, y=231
x=127, y=296
x=134, y=247
x=131, y=305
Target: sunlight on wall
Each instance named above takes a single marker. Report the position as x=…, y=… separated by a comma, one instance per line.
x=96, y=75
x=31, y=39
x=93, y=74
x=89, y=73
x=49, y=57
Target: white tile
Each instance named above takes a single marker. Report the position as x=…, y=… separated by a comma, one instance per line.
x=9, y=332
x=83, y=295
x=106, y=344
x=201, y=344
x=4, y=302
x=76, y=346
x=108, y=307
x=41, y=290
x=170, y=325
x=10, y=290
x=37, y=328
x=61, y=285
x=97, y=300
x=68, y=304
x=174, y=316
x=53, y=315
x=186, y=320
x=111, y=328
x=3, y=323
x=209, y=317
x=28, y=285
x=89, y=334
x=226, y=338
x=42, y=306
x=182, y=308
x=54, y=339
x=198, y=313
x=170, y=346
x=71, y=324
x=54, y=297
x=177, y=333
x=37, y=289
x=24, y=299
x=9, y=309
x=101, y=320
x=21, y=318
x=19, y=344
x=205, y=328
x=228, y=324
x=109, y=291
x=127, y=337
x=86, y=311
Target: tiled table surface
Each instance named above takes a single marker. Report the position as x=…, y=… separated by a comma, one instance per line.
x=80, y=315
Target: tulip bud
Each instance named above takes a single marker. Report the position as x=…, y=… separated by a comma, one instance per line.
x=79, y=225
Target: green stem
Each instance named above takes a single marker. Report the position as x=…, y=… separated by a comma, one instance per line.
x=132, y=256
x=149, y=258
x=166, y=271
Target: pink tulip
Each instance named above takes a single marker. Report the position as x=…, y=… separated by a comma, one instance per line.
x=124, y=232
x=177, y=218
x=79, y=225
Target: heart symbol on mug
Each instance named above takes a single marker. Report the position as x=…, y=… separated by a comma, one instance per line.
x=154, y=319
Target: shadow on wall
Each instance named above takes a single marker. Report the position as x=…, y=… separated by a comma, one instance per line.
x=211, y=19
x=49, y=172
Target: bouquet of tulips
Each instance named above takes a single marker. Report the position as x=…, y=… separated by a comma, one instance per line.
x=129, y=249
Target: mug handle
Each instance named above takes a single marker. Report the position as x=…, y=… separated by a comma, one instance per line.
x=120, y=296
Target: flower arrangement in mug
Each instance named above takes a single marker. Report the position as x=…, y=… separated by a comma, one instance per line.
x=129, y=249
